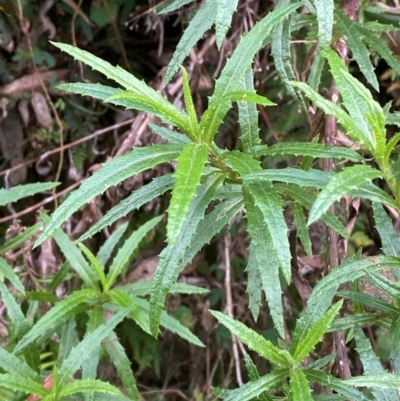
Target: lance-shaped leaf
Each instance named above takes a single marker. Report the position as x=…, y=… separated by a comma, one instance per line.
x=340, y=184
x=266, y=256
x=171, y=5
x=22, y=191
x=13, y=365
x=223, y=17
x=236, y=67
x=187, y=177
x=359, y=51
x=125, y=253
x=374, y=194
x=110, y=243
x=369, y=301
x=68, y=339
x=311, y=149
x=138, y=198
x=139, y=159
x=318, y=329
x=55, y=316
x=301, y=228
x=389, y=381
x=28, y=386
x=371, y=364
x=200, y=23
x=325, y=22
x=74, y=256
x=299, y=387
x=254, y=341
x=8, y=273
x=173, y=259
x=248, y=116
x=189, y=105
x=254, y=375
x=122, y=363
x=90, y=343
x=170, y=136
x=322, y=295
x=88, y=385
x=20, y=238
x=95, y=263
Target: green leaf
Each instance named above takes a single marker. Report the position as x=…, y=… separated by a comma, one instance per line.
x=371, y=363
x=389, y=381
x=223, y=18
x=141, y=288
x=9, y=274
x=354, y=40
x=311, y=149
x=323, y=293
x=14, y=311
x=155, y=105
x=28, y=386
x=95, y=263
x=96, y=91
x=370, y=191
x=189, y=105
x=266, y=256
x=171, y=136
x=189, y=170
x=74, y=256
x=299, y=387
x=325, y=22
x=389, y=287
x=369, y=301
x=123, y=365
x=248, y=116
x=173, y=259
x=22, y=191
x=254, y=375
x=254, y=341
x=110, y=243
x=134, y=162
x=13, y=365
x=317, y=66
x=138, y=198
x=125, y=253
x=301, y=228
x=55, y=316
x=89, y=344
x=254, y=283
x=340, y=386
x=87, y=385
x=254, y=388
x=318, y=329
x=172, y=5
x=201, y=22
x=21, y=238
x=340, y=184
x=236, y=67
x=68, y=340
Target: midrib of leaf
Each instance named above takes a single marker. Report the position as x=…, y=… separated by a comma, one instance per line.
x=112, y=173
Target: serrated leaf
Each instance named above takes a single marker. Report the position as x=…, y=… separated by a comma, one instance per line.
x=125, y=253
x=354, y=40
x=312, y=149
x=68, y=339
x=254, y=375
x=223, y=17
x=86, y=272
x=340, y=184
x=325, y=22
x=21, y=238
x=22, y=191
x=389, y=287
x=141, y=288
x=371, y=364
x=299, y=387
x=315, y=333
x=201, y=22
x=136, y=161
x=323, y=293
x=301, y=228
x=248, y=116
x=389, y=381
x=266, y=256
x=254, y=341
x=340, y=386
x=254, y=388
x=172, y=5
x=144, y=194
x=189, y=105
x=88, y=385
x=13, y=365
x=369, y=301
x=236, y=67
x=90, y=343
x=122, y=363
x=109, y=244
x=9, y=274
x=95, y=263
x=189, y=170
x=173, y=259
x=270, y=206
x=97, y=91
x=28, y=386
x=370, y=191
x=170, y=136
x=254, y=283
x=57, y=314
